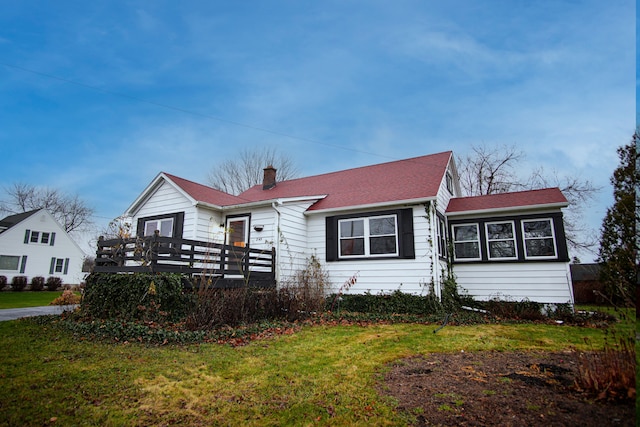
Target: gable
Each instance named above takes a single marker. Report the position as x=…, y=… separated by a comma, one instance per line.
x=39, y=221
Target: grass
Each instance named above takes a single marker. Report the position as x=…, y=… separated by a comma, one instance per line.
x=324, y=375
x=10, y=299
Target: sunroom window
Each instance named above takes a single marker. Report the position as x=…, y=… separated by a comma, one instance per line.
x=501, y=240
x=466, y=242
x=368, y=237
x=539, y=239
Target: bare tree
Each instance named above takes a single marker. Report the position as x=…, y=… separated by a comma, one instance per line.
x=70, y=211
x=489, y=170
x=493, y=170
x=236, y=175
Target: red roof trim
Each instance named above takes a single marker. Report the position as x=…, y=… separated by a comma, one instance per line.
x=519, y=199
x=203, y=193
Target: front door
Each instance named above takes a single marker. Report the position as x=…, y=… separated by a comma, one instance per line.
x=238, y=231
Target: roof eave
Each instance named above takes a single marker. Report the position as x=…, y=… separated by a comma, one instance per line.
x=154, y=185
x=269, y=202
x=370, y=206
x=558, y=205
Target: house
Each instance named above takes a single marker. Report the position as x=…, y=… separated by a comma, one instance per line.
x=390, y=225
x=587, y=287
x=35, y=244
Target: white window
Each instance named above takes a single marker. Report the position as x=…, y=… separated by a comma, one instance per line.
x=466, y=242
x=59, y=265
x=164, y=226
x=442, y=238
x=539, y=239
x=8, y=262
x=35, y=236
x=501, y=240
x=368, y=237
x=45, y=238
x=449, y=181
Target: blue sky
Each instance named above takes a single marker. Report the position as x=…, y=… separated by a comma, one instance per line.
x=98, y=97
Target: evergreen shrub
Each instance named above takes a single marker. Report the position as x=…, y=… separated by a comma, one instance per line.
x=37, y=283
x=53, y=283
x=18, y=283
x=140, y=296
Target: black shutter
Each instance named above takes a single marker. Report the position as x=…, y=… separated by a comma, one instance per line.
x=140, y=227
x=66, y=265
x=23, y=266
x=53, y=239
x=27, y=233
x=331, y=229
x=405, y=221
x=53, y=265
x=178, y=225
x=561, y=237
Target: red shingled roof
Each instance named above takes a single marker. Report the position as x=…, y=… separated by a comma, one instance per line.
x=203, y=193
x=410, y=179
x=519, y=199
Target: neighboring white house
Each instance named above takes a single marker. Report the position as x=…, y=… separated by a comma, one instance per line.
x=35, y=244
x=389, y=224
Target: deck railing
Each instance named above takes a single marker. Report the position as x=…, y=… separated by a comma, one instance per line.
x=221, y=265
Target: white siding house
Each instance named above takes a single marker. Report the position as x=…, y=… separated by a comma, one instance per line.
x=34, y=244
x=391, y=225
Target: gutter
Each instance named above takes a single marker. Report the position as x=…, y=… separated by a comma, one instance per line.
x=507, y=210
x=277, y=236
x=386, y=204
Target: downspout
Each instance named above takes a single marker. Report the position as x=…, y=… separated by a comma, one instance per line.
x=277, y=237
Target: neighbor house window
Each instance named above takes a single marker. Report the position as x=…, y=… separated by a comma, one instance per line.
x=501, y=240
x=466, y=242
x=8, y=262
x=539, y=238
x=59, y=265
x=39, y=237
x=164, y=226
x=372, y=236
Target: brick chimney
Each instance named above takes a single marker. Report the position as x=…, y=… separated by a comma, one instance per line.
x=269, y=180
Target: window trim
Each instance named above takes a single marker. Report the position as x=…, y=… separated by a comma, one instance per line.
x=442, y=237
x=552, y=237
x=449, y=182
x=17, y=257
x=367, y=236
x=557, y=226
x=404, y=231
x=59, y=266
x=159, y=222
x=178, y=222
x=478, y=241
x=513, y=239
x=33, y=237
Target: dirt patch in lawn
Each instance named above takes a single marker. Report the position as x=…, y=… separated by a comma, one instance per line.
x=505, y=389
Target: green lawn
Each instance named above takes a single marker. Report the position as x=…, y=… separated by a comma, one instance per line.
x=10, y=299
x=320, y=375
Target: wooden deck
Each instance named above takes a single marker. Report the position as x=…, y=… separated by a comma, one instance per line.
x=222, y=266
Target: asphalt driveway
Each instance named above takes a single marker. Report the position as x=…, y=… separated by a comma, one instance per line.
x=17, y=313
